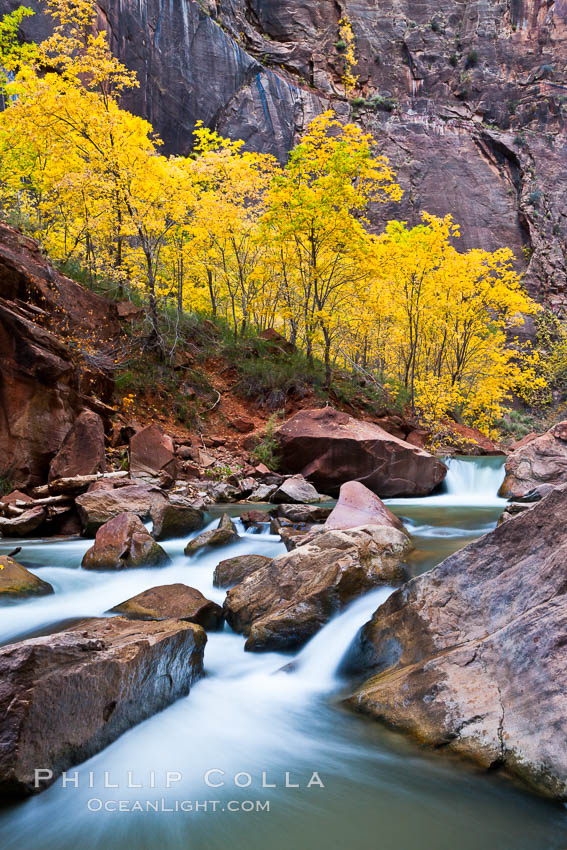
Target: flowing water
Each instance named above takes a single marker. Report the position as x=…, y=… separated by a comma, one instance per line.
x=211, y=764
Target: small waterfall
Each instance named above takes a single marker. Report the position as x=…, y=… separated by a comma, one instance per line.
x=474, y=478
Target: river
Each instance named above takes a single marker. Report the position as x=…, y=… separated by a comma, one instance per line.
x=360, y=786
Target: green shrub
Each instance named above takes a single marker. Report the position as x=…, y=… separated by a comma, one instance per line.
x=267, y=450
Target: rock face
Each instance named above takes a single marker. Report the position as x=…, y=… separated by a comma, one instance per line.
x=331, y=448
x=98, y=506
x=175, y=519
x=357, y=505
x=103, y=676
x=82, y=452
x=173, y=602
x=220, y=536
x=152, y=453
x=472, y=656
x=124, y=542
x=234, y=570
x=282, y=605
x=42, y=389
x=465, y=100
x=16, y=581
x=23, y=525
x=542, y=461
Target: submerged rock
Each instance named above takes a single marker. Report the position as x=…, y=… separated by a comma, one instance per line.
x=69, y=695
x=234, y=570
x=472, y=656
x=357, y=505
x=16, y=581
x=175, y=602
x=124, y=542
x=220, y=536
x=543, y=461
x=283, y=604
x=331, y=448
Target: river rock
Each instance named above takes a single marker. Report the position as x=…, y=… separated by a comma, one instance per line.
x=67, y=696
x=263, y=493
x=296, y=490
x=175, y=518
x=542, y=461
x=98, y=506
x=331, y=448
x=304, y=513
x=152, y=453
x=357, y=505
x=234, y=570
x=16, y=581
x=472, y=656
x=82, y=452
x=220, y=536
x=175, y=602
x=24, y=524
x=124, y=542
x=283, y=604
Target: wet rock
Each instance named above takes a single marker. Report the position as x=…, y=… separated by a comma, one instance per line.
x=175, y=518
x=357, y=505
x=541, y=461
x=472, y=655
x=175, y=602
x=283, y=604
x=152, y=453
x=26, y=523
x=82, y=452
x=234, y=570
x=16, y=581
x=513, y=509
x=331, y=448
x=296, y=490
x=255, y=519
x=297, y=534
x=220, y=536
x=124, y=542
x=304, y=513
x=69, y=695
x=96, y=508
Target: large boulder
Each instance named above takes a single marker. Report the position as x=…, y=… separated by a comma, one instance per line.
x=175, y=518
x=283, y=604
x=152, y=453
x=331, y=448
x=82, y=452
x=357, y=505
x=66, y=696
x=296, y=490
x=224, y=533
x=124, y=542
x=234, y=570
x=16, y=581
x=173, y=602
x=23, y=525
x=472, y=656
x=541, y=461
x=98, y=506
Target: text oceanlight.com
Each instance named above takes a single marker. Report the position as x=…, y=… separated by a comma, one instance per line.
x=95, y=804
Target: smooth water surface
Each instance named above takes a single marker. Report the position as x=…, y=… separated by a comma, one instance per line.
x=261, y=716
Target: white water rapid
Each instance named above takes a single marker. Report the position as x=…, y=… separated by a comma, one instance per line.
x=268, y=728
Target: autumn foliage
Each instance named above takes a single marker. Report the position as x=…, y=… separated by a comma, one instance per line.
x=238, y=235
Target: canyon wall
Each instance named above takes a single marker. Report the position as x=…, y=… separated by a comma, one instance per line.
x=468, y=99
